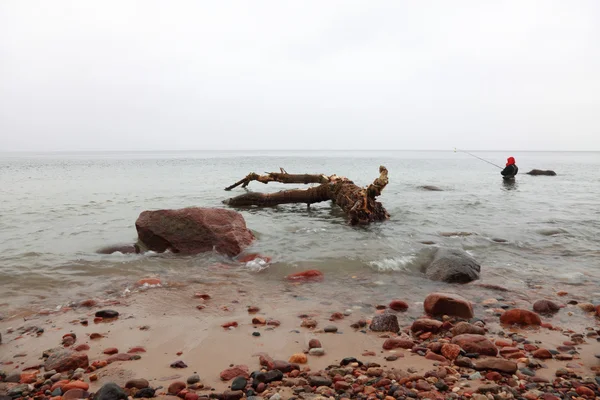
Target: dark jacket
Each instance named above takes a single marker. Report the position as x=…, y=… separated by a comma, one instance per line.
x=510, y=170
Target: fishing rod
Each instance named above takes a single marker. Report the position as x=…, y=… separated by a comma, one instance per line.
x=462, y=151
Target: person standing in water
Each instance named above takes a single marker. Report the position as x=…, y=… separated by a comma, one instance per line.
x=511, y=168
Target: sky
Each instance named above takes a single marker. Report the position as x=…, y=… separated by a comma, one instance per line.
x=241, y=75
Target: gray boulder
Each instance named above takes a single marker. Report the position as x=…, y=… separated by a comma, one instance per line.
x=110, y=391
x=537, y=172
x=452, y=266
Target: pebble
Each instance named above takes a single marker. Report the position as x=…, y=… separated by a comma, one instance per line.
x=330, y=329
x=239, y=383
x=108, y=314
x=193, y=379
x=146, y=393
x=475, y=376
x=178, y=364
x=316, y=351
x=256, y=334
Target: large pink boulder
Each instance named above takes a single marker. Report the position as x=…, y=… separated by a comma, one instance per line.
x=194, y=230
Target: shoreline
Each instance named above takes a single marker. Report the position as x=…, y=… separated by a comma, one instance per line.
x=188, y=319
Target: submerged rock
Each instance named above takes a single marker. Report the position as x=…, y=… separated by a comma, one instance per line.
x=194, y=230
x=518, y=316
x=120, y=248
x=546, y=307
x=431, y=188
x=452, y=266
x=538, y=172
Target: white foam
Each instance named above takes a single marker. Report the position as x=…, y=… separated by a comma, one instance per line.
x=393, y=264
x=257, y=265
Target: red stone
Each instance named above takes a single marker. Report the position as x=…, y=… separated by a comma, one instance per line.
x=306, y=276
x=398, y=305
x=194, y=230
x=545, y=307
x=435, y=357
x=88, y=303
x=475, y=344
x=341, y=385
x=253, y=310
x=66, y=360
x=426, y=325
x=259, y=321
x=585, y=391
x=542, y=354
x=28, y=378
x=369, y=354
x=518, y=316
x=314, y=344
x=75, y=385
x=82, y=347
x=493, y=376
x=398, y=343
x=231, y=324
x=96, y=336
x=202, y=296
x=137, y=349
x=111, y=351
x=450, y=351
x=176, y=387
x=191, y=396
x=336, y=316
x=438, y=304
x=234, y=372
x=267, y=361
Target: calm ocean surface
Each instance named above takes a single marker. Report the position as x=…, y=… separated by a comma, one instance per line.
x=56, y=210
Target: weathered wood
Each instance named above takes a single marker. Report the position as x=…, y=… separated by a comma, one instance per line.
x=358, y=203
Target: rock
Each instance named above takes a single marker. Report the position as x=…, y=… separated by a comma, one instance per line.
x=330, y=329
x=475, y=344
x=316, y=351
x=178, y=364
x=110, y=391
x=137, y=383
x=233, y=395
x=267, y=377
x=193, y=379
x=450, y=351
x=284, y=366
x=398, y=343
x=74, y=394
x=119, y=357
x=385, y=323
x=239, y=383
x=15, y=377
x=585, y=391
x=120, y=248
x=439, y=304
x=312, y=275
x=587, y=307
x=496, y=364
x=545, y=307
x=431, y=188
x=435, y=357
x=110, y=351
x=538, y=172
x=309, y=323
x=75, y=385
x=542, y=354
x=137, y=349
x=234, y=372
x=518, y=316
x=18, y=391
x=194, y=230
x=63, y=360
x=176, y=387
x=452, y=266
x=314, y=343
x=298, y=358
x=259, y=321
x=464, y=327
x=317, y=381
x=426, y=325
x=107, y=314
x=398, y=305
x=146, y=393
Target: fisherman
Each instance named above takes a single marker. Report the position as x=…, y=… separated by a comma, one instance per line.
x=511, y=169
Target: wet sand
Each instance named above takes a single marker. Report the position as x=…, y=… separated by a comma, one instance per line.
x=174, y=319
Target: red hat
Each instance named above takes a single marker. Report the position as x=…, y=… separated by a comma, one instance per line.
x=510, y=161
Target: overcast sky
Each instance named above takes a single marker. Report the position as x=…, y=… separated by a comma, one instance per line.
x=193, y=75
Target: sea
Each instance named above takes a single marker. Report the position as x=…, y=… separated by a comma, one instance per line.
x=538, y=233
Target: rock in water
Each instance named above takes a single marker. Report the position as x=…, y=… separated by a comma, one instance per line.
x=546, y=307
x=439, y=304
x=537, y=172
x=385, y=323
x=452, y=266
x=194, y=230
x=518, y=316
x=63, y=360
x=431, y=188
x=110, y=391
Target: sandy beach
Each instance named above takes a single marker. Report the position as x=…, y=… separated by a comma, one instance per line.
x=209, y=329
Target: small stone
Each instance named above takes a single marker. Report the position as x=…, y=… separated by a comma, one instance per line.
x=146, y=393
x=385, y=323
x=518, y=316
x=330, y=329
x=176, y=387
x=178, y=364
x=235, y=371
x=259, y=321
x=319, y=381
x=110, y=351
x=475, y=376
x=110, y=391
x=239, y=383
x=316, y=351
x=107, y=314
x=309, y=323
x=298, y=358
x=193, y=379
x=398, y=305
x=256, y=334
x=542, y=354
x=314, y=343
x=137, y=383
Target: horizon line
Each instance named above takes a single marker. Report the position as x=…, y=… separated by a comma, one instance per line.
x=287, y=150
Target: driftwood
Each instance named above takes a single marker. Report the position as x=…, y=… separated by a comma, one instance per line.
x=358, y=203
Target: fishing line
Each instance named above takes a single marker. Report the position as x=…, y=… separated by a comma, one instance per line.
x=466, y=152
